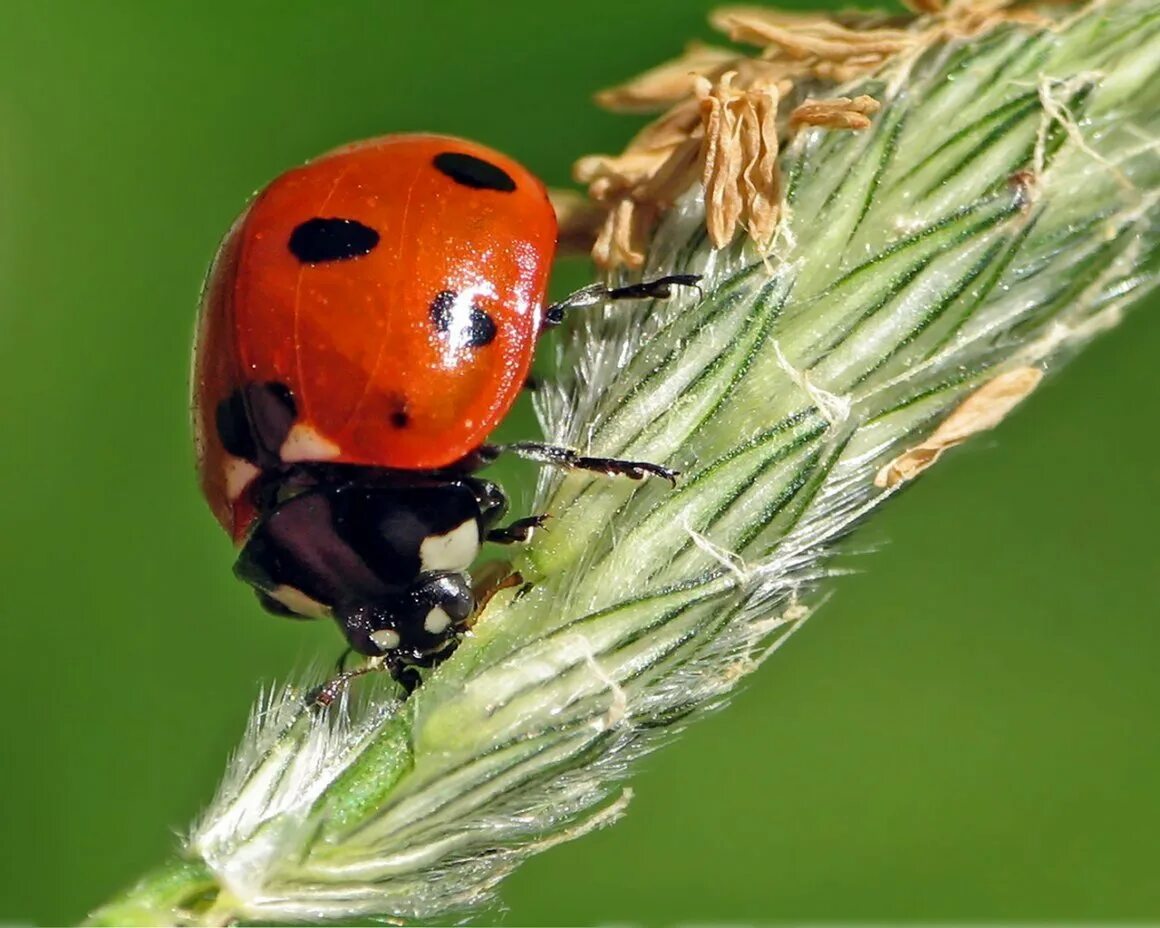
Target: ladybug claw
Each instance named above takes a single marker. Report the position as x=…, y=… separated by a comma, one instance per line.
x=519, y=531
x=639, y=470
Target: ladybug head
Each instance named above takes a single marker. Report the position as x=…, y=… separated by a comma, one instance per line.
x=413, y=626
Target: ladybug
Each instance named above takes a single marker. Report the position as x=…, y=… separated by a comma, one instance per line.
x=367, y=322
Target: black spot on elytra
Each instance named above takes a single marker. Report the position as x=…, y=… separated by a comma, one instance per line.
x=254, y=421
x=474, y=172
x=399, y=417
x=317, y=240
x=441, y=309
x=480, y=329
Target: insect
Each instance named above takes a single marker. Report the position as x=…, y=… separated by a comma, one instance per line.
x=366, y=323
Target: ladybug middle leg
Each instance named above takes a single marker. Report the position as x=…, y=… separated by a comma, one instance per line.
x=567, y=458
x=489, y=579
x=659, y=289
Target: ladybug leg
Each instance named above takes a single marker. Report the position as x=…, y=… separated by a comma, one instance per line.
x=518, y=532
x=659, y=289
x=566, y=457
x=406, y=674
x=489, y=580
x=340, y=664
x=322, y=696
x=409, y=678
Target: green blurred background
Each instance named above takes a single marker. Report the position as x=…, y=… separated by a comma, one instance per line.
x=967, y=731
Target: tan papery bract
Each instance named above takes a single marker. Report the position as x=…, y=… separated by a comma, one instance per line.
x=723, y=128
x=836, y=113
x=801, y=35
x=666, y=83
x=739, y=155
x=982, y=410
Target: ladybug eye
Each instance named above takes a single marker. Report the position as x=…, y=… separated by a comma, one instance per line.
x=478, y=328
x=319, y=240
x=473, y=172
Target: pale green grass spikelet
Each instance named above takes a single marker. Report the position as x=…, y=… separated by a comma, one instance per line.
x=998, y=213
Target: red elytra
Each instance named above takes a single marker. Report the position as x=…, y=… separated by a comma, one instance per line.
x=408, y=339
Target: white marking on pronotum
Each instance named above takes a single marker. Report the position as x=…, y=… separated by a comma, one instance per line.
x=299, y=603
x=453, y=550
x=436, y=622
x=239, y=473
x=385, y=639
x=305, y=444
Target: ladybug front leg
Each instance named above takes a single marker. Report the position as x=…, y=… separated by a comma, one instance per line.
x=659, y=289
x=488, y=579
x=322, y=696
x=567, y=458
x=406, y=675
